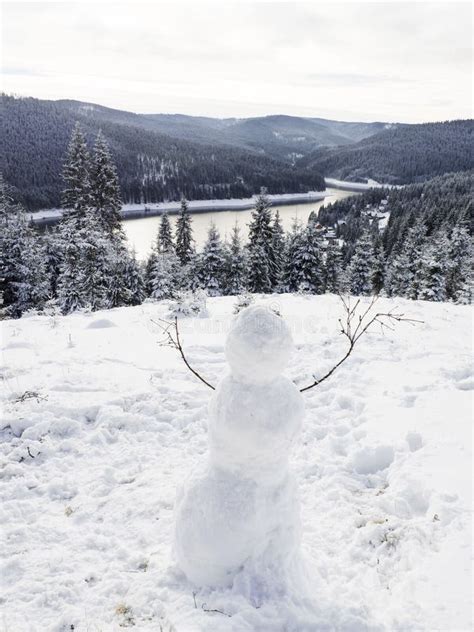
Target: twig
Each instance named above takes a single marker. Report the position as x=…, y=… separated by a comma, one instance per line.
x=31, y=395
x=354, y=334
x=29, y=452
x=175, y=342
x=194, y=597
x=214, y=610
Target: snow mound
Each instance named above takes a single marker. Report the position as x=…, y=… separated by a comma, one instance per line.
x=101, y=323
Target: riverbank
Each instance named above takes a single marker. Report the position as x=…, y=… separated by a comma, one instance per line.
x=132, y=211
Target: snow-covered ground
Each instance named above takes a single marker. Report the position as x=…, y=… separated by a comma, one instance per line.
x=89, y=469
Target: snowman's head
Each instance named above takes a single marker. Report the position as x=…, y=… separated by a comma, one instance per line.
x=259, y=345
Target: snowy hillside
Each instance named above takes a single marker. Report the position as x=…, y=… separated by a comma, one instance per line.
x=100, y=424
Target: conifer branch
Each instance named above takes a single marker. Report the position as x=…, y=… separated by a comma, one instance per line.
x=354, y=326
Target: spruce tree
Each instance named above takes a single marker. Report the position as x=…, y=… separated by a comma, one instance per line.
x=263, y=277
x=184, y=235
x=290, y=273
x=460, y=259
x=105, y=189
x=307, y=263
x=134, y=281
x=70, y=280
x=163, y=277
x=278, y=247
x=361, y=267
x=76, y=197
x=397, y=276
x=96, y=256
x=212, y=264
x=433, y=274
x=165, y=236
x=53, y=257
x=378, y=270
x=333, y=268
x=236, y=275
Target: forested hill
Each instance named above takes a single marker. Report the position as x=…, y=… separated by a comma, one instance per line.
x=438, y=204
x=152, y=166
x=400, y=155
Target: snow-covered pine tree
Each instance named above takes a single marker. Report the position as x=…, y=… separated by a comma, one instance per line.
x=460, y=258
x=397, y=275
x=278, y=246
x=53, y=257
x=165, y=236
x=263, y=276
x=24, y=280
x=212, y=264
x=105, y=189
x=134, y=281
x=76, y=198
x=290, y=272
x=96, y=262
x=378, y=270
x=308, y=264
x=236, y=276
x=412, y=247
x=184, y=234
x=69, y=286
x=333, y=280
x=258, y=269
x=164, y=274
x=433, y=272
x=361, y=266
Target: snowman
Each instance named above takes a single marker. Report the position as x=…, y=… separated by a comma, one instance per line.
x=237, y=518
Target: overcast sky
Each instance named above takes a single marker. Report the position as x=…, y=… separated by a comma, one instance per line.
x=398, y=61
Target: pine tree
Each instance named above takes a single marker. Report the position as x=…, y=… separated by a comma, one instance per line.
x=96, y=254
x=53, y=257
x=70, y=280
x=278, y=247
x=184, y=236
x=76, y=198
x=333, y=269
x=397, y=276
x=361, y=266
x=212, y=264
x=460, y=258
x=24, y=281
x=378, y=270
x=105, y=189
x=263, y=276
x=412, y=247
x=433, y=273
x=290, y=273
x=134, y=281
x=259, y=272
x=307, y=264
x=163, y=279
x=165, y=236
x=236, y=277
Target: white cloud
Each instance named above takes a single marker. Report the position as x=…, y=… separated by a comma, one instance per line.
x=364, y=61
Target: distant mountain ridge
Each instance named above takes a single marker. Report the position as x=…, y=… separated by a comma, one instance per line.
x=161, y=156
x=401, y=154
x=152, y=166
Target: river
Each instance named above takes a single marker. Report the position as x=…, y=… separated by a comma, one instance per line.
x=141, y=232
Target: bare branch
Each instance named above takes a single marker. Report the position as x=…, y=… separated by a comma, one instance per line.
x=172, y=339
x=353, y=335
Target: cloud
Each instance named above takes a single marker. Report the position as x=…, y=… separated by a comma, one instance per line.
x=365, y=61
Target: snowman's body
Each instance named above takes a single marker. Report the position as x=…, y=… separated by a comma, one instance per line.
x=241, y=510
